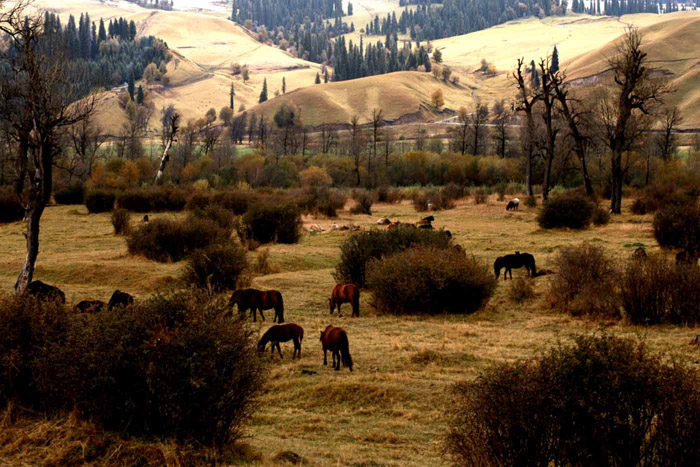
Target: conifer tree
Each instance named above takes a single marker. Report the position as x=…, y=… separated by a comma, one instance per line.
x=318, y=79
x=102, y=34
x=131, y=86
x=437, y=56
x=284, y=85
x=555, y=61
x=139, y=95
x=263, y=93
x=231, y=95
x=325, y=76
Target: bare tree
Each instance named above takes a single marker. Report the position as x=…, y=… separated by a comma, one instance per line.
x=39, y=100
x=667, y=143
x=526, y=99
x=626, y=111
x=377, y=123
x=209, y=133
x=329, y=138
x=547, y=97
x=137, y=118
x=357, y=144
x=460, y=133
x=500, y=135
x=86, y=139
x=477, y=126
x=388, y=144
x=170, y=126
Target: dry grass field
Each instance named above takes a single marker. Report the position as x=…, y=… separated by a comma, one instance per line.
x=390, y=410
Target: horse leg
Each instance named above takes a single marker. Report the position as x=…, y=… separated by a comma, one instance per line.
x=340, y=315
x=336, y=361
x=297, y=346
x=261, y=314
x=253, y=313
x=272, y=354
x=325, y=356
x=279, y=350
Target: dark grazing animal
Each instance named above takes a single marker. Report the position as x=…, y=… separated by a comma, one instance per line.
x=119, y=299
x=336, y=340
x=46, y=292
x=513, y=204
x=639, y=254
x=258, y=300
x=282, y=333
x=89, y=306
x=145, y=218
x=509, y=262
x=345, y=293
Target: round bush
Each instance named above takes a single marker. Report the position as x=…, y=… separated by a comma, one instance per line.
x=220, y=216
x=216, y=268
x=600, y=401
x=121, y=220
x=271, y=221
x=70, y=194
x=174, y=365
x=678, y=227
x=429, y=281
x=361, y=247
x=98, y=201
x=10, y=208
x=569, y=210
x=363, y=202
x=166, y=240
x=601, y=216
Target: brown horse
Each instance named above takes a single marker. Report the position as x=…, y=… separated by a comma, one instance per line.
x=282, y=333
x=89, y=306
x=345, y=293
x=336, y=340
x=258, y=300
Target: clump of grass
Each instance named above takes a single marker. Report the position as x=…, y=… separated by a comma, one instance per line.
x=521, y=289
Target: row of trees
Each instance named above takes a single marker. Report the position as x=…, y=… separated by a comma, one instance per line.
x=357, y=61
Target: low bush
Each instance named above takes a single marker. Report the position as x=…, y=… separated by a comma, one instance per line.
x=144, y=200
x=388, y=195
x=70, y=194
x=98, y=201
x=452, y=192
x=10, y=208
x=663, y=195
x=217, y=268
x=263, y=265
x=236, y=201
x=600, y=401
x=270, y=221
x=568, y=210
x=363, y=202
x=429, y=281
x=28, y=328
x=480, y=195
x=330, y=202
x=531, y=201
x=121, y=221
x=174, y=365
x=501, y=190
x=420, y=201
x=656, y=290
x=166, y=240
x=521, y=289
x=601, y=216
x=220, y=216
x=199, y=200
x=585, y=283
x=361, y=247
x=678, y=227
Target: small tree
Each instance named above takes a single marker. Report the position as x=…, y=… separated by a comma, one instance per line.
x=139, y=95
x=131, y=86
x=245, y=73
x=437, y=98
x=263, y=93
x=231, y=95
x=318, y=79
x=437, y=56
x=284, y=85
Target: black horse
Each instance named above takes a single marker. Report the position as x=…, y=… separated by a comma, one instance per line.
x=46, y=292
x=119, y=299
x=518, y=260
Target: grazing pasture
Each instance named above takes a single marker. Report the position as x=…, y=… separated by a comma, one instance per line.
x=390, y=409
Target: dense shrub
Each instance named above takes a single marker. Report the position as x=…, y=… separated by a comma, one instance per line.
x=172, y=240
x=121, y=220
x=69, y=194
x=678, y=227
x=452, y=192
x=431, y=281
x=363, y=202
x=601, y=216
x=174, y=365
x=328, y=202
x=388, y=195
x=152, y=199
x=199, y=200
x=420, y=201
x=480, y=195
x=531, y=201
x=521, y=289
x=656, y=290
x=271, y=221
x=220, y=216
x=236, y=201
x=568, y=210
x=10, y=208
x=662, y=196
x=27, y=329
x=361, y=247
x=217, y=268
x=585, y=282
x=98, y=201
x=600, y=401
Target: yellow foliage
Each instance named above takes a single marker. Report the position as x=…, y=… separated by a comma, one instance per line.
x=315, y=176
x=130, y=173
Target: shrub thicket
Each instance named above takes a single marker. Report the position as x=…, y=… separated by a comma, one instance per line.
x=217, y=268
x=521, y=289
x=363, y=202
x=600, y=401
x=430, y=281
x=480, y=195
x=121, y=220
x=271, y=221
x=656, y=290
x=601, y=216
x=570, y=210
x=678, y=227
x=98, y=201
x=329, y=202
x=531, y=202
x=662, y=196
x=152, y=199
x=361, y=247
x=220, y=216
x=585, y=283
x=174, y=365
x=172, y=240
x=420, y=201
x=10, y=208
x=69, y=194
x=388, y=195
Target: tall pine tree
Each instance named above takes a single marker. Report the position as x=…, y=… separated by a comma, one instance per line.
x=263, y=93
x=284, y=85
x=131, y=86
x=318, y=79
x=139, y=95
x=555, y=61
x=231, y=95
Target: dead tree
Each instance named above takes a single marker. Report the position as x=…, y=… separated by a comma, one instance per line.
x=377, y=123
x=171, y=125
x=547, y=97
x=525, y=102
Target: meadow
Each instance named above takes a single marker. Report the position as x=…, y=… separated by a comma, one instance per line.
x=391, y=409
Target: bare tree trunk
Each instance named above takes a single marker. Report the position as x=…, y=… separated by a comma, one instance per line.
x=163, y=161
x=27, y=272
x=617, y=179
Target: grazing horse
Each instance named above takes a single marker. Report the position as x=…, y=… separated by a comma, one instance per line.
x=258, y=300
x=336, y=340
x=345, y=293
x=515, y=261
x=119, y=298
x=425, y=223
x=46, y=292
x=393, y=225
x=513, y=204
x=89, y=306
x=282, y=333
x=639, y=254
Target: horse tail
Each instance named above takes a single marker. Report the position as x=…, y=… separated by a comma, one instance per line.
x=279, y=309
x=534, y=271
x=345, y=351
x=356, y=302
